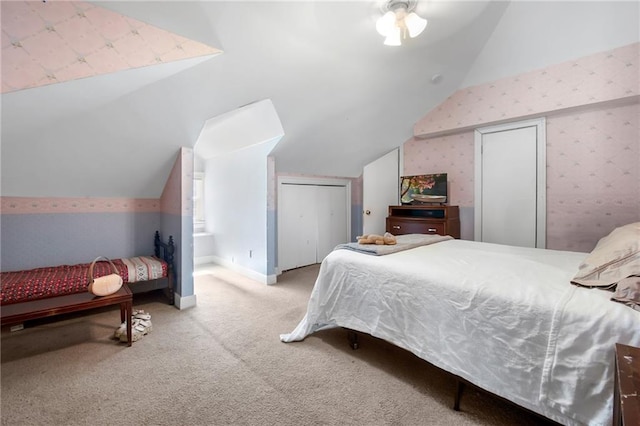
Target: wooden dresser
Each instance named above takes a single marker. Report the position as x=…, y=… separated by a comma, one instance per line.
x=626, y=398
x=424, y=219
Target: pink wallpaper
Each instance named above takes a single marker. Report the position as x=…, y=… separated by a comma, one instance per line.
x=30, y=205
x=589, y=80
x=593, y=148
x=177, y=196
x=593, y=175
x=356, y=190
x=186, y=156
x=447, y=154
x=56, y=41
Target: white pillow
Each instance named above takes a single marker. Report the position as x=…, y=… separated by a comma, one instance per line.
x=615, y=257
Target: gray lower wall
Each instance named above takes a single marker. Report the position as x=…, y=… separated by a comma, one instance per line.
x=181, y=229
x=36, y=240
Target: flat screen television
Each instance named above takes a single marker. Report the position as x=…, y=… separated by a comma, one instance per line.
x=421, y=189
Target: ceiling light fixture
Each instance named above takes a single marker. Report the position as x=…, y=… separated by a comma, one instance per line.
x=398, y=21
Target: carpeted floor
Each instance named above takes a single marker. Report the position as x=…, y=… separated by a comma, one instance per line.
x=222, y=363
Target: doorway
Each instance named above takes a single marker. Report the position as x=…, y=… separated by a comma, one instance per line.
x=510, y=184
x=380, y=189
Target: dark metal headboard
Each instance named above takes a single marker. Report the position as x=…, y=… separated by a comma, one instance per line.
x=168, y=249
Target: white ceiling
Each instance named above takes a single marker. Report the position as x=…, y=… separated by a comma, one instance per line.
x=343, y=98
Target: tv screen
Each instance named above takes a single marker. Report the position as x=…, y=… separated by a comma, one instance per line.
x=418, y=189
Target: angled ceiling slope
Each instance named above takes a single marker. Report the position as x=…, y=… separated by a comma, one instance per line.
x=56, y=41
x=246, y=126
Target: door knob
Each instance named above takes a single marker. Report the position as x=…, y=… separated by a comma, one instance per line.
x=367, y=212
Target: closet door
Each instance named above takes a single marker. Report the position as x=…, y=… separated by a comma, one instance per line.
x=510, y=184
x=297, y=226
x=331, y=205
x=312, y=220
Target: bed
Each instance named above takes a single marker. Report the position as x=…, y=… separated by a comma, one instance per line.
x=506, y=319
x=25, y=291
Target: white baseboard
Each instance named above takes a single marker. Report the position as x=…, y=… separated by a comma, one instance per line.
x=202, y=260
x=184, y=302
x=249, y=273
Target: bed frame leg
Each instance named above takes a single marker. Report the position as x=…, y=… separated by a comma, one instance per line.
x=459, y=389
x=352, y=336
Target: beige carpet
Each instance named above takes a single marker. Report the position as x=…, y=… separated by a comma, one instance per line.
x=222, y=363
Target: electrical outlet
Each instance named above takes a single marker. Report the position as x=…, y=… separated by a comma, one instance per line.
x=250, y=254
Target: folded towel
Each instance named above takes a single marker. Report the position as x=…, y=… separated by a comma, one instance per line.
x=403, y=242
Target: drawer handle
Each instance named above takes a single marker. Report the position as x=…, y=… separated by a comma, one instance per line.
x=431, y=230
x=396, y=226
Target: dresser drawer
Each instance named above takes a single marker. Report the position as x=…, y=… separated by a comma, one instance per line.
x=405, y=226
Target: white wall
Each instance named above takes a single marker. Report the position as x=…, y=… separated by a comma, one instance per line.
x=248, y=125
x=236, y=209
x=239, y=222
x=536, y=34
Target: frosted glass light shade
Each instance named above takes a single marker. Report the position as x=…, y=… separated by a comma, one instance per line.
x=393, y=38
x=386, y=24
x=415, y=24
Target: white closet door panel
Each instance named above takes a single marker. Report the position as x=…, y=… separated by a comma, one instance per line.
x=332, y=222
x=509, y=187
x=307, y=226
x=287, y=220
x=323, y=207
x=298, y=230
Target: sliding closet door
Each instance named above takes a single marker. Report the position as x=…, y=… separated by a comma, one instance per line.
x=312, y=220
x=331, y=203
x=297, y=226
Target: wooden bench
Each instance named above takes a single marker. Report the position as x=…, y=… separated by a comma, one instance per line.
x=17, y=313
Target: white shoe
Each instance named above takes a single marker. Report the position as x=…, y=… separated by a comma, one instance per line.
x=142, y=316
x=138, y=330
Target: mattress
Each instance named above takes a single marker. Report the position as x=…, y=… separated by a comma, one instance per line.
x=504, y=318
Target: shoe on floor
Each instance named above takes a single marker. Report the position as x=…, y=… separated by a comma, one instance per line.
x=142, y=326
x=137, y=331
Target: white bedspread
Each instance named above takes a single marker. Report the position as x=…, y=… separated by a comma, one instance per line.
x=505, y=318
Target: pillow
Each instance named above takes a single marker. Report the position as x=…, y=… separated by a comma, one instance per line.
x=628, y=292
x=615, y=257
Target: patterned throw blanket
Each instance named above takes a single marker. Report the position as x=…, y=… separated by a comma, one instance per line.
x=144, y=268
x=40, y=283
x=403, y=242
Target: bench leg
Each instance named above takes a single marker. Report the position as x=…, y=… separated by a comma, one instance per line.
x=126, y=310
x=129, y=320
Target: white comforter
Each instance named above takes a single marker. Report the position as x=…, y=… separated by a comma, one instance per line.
x=505, y=318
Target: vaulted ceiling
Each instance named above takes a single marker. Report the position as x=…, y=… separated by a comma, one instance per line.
x=343, y=98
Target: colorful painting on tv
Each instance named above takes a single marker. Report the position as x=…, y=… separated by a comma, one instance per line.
x=428, y=184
